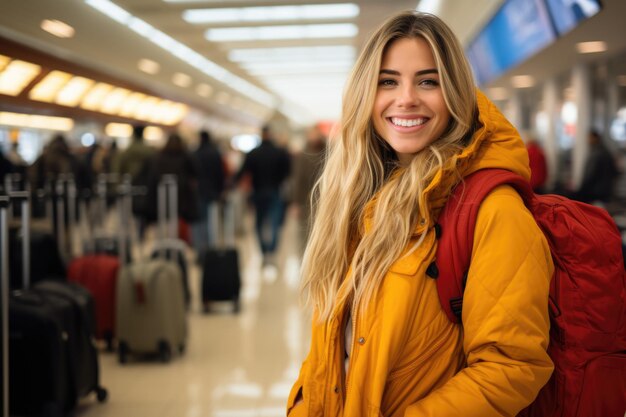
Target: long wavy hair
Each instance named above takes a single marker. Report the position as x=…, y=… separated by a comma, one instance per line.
x=342, y=261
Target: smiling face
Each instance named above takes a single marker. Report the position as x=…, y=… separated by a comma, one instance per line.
x=409, y=109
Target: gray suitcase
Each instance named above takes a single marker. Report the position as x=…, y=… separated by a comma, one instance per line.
x=150, y=314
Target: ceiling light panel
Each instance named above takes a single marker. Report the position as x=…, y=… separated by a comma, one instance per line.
x=272, y=13
x=112, y=102
x=95, y=96
x=47, y=89
x=181, y=80
x=316, y=53
x=73, y=91
x=523, y=81
x=57, y=28
x=261, y=33
x=36, y=122
x=297, y=67
x=131, y=104
x=4, y=60
x=204, y=90
x=16, y=76
x=148, y=66
x=591, y=47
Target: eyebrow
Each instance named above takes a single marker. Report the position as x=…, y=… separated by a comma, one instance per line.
x=417, y=74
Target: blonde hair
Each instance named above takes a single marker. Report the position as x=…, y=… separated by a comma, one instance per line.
x=361, y=167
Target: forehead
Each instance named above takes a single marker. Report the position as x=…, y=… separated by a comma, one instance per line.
x=408, y=53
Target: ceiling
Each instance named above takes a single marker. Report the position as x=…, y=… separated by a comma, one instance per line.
x=103, y=44
x=313, y=94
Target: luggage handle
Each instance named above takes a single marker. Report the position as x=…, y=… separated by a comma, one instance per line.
x=4, y=304
x=168, y=207
x=23, y=197
x=223, y=236
x=125, y=207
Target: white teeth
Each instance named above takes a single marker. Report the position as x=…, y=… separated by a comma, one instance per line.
x=408, y=122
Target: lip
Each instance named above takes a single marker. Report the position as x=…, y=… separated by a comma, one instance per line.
x=407, y=129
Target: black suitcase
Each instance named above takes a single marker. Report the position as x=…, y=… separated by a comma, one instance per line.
x=221, y=279
x=84, y=364
x=40, y=381
x=52, y=359
x=46, y=265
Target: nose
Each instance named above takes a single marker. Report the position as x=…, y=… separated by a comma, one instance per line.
x=408, y=96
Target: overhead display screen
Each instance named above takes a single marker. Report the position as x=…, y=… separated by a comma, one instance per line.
x=520, y=29
x=567, y=14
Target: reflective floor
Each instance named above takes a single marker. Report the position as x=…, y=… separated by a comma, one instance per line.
x=235, y=365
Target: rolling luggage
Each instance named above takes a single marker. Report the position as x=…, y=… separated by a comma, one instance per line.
x=221, y=280
x=151, y=315
x=85, y=358
x=51, y=364
x=50, y=265
x=97, y=272
x=169, y=246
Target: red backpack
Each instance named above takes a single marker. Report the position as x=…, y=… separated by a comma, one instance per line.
x=587, y=293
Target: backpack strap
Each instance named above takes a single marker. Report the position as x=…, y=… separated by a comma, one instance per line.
x=456, y=225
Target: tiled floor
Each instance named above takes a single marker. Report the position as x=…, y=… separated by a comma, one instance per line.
x=235, y=365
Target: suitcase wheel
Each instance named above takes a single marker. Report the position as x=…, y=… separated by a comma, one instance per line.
x=101, y=394
x=122, y=351
x=165, y=353
x=181, y=348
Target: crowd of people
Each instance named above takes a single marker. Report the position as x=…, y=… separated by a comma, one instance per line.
x=205, y=175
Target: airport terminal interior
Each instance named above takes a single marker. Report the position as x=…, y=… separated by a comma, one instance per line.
x=85, y=78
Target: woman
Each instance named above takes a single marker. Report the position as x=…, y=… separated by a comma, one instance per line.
x=413, y=126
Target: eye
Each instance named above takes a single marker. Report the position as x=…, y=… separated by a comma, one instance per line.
x=387, y=82
x=429, y=83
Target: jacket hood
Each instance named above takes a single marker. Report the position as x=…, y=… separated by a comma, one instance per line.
x=495, y=144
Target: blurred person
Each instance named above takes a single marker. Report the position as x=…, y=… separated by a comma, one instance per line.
x=174, y=159
x=136, y=160
x=16, y=159
x=538, y=165
x=56, y=160
x=413, y=126
x=268, y=166
x=136, y=157
x=6, y=167
x=306, y=171
x=599, y=174
x=211, y=180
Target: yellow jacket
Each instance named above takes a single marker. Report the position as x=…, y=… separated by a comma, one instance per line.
x=407, y=358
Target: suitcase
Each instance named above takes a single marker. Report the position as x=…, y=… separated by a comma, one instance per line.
x=40, y=380
x=221, y=279
x=87, y=369
x=169, y=246
x=150, y=315
x=174, y=250
x=52, y=360
x=97, y=272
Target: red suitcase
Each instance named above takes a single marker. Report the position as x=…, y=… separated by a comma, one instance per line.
x=98, y=273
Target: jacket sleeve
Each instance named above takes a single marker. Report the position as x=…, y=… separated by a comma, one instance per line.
x=505, y=317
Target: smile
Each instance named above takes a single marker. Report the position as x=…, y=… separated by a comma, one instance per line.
x=408, y=122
